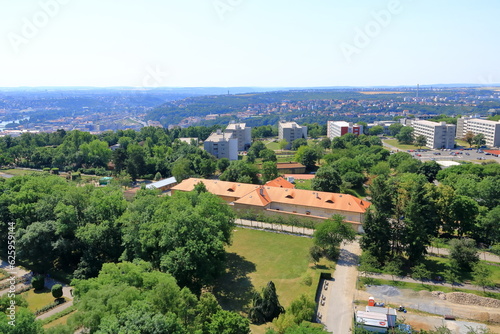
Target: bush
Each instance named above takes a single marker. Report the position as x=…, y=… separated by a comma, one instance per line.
x=57, y=291
x=463, y=252
x=38, y=282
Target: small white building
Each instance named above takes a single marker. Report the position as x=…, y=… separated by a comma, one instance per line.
x=163, y=185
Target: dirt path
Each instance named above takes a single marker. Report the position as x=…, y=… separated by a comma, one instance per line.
x=339, y=311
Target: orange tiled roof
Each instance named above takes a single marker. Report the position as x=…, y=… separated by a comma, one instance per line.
x=219, y=188
x=305, y=198
x=280, y=183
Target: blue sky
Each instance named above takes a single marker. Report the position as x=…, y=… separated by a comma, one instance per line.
x=273, y=43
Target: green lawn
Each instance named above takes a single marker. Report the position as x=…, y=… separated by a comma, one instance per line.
x=257, y=257
x=17, y=172
x=303, y=184
x=394, y=142
x=37, y=300
x=272, y=145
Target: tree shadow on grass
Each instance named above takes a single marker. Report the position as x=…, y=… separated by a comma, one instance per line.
x=234, y=290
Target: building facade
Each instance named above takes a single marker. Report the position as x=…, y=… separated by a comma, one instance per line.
x=438, y=135
x=340, y=128
x=280, y=198
x=291, y=131
x=490, y=129
x=222, y=145
x=241, y=132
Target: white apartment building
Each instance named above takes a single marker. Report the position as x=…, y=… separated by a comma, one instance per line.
x=490, y=129
x=222, y=145
x=340, y=128
x=291, y=131
x=241, y=132
x=438, y=135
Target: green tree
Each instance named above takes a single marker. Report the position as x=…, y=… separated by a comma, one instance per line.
x=239, y=171
x=24, y=323
x=353, y=178
x=479, y=140
x=327, y=179
x=395, y=128
x=268, y=155
x=265, y=306
x=307, y=156
x=282, y=144
x=269, y=171
x=463, y=253
x=420, y=272
x=325, y=143
x=430, y=169
x=225, y=322
x=331, y=233
x=297, y=143
x=57, y=291
x=451, y=274
x=257, y=147
x=469, y=138
x=420, y=141
x=181, y=169
x=482, y=276
x=38, y=282
x=405, y=135
x=157, y=176
x=376, y=130
x=396, y=159
x=315, y=253
x=393, y=268
x=222, y=164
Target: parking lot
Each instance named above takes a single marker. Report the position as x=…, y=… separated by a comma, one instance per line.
x=453, y=155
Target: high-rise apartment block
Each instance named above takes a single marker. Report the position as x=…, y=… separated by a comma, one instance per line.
x=291, y=131
x=340, y=128
x=241, y=132
x=438, y=135
x=222, y=145
x=490, y=129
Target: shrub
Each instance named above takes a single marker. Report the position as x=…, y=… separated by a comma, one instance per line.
x=38, y=282
x=57, y=291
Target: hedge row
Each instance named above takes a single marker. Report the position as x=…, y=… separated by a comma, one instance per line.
x=49, y=307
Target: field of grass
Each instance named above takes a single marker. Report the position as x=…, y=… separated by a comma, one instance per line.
x=257, y=257
x=394, y=142
x=17, y=172
x=37, y=300
x=272, y=145
x=303, y=184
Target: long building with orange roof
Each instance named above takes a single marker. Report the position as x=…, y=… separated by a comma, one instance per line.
x=279, y=198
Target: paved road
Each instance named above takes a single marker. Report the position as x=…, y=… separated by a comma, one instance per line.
x=339, y=313
x=482, y=255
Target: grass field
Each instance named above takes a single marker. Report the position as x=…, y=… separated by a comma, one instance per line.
x=17, y=172
x=272, y=145
x=257, y=257
x=37, y=300
x=303, y=184
x=394, y=142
